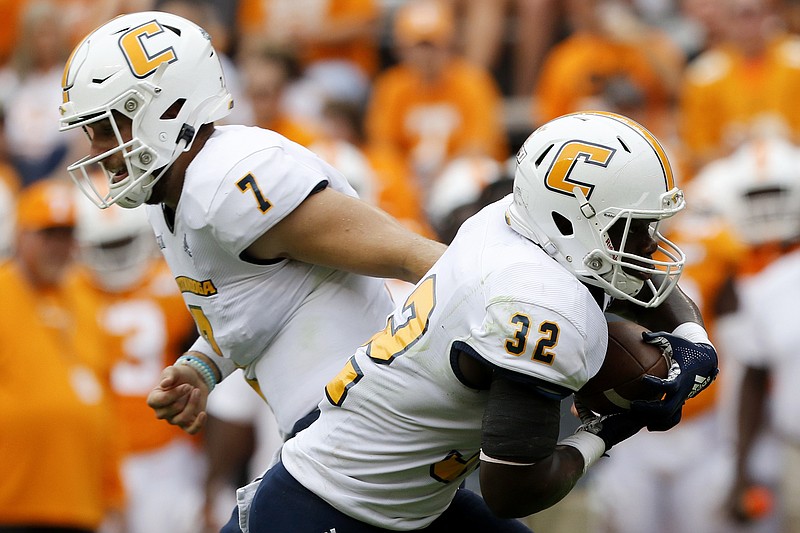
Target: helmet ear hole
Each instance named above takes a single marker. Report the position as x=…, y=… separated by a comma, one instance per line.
x=563, y=224
x=174, y=110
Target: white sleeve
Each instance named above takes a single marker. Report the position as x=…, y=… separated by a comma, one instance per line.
x=257, y=194
x=225, y=365
x=554, y=350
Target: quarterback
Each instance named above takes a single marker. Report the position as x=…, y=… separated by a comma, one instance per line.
x=470, y=370
x=268, y=244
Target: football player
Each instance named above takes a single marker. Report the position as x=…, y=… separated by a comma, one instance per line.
x=260, y=234
x=470, y=370
x=272, y=251
x=267, y=242
x=143, y=311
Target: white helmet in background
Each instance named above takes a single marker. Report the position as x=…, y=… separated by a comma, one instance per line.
x=580, y=174
x=353, y=164
x=460, y=183
x=8, y=218
x=117, y=245
x=160, y=71
x=755, y=190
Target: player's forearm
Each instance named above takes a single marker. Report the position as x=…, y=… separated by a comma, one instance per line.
x=677, y=309
x=518, y=491
x=416, y=265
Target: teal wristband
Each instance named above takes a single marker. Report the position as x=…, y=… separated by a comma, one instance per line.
x=202, y=368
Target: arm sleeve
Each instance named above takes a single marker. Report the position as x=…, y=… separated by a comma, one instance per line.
x=225, y=365
x=520, y=425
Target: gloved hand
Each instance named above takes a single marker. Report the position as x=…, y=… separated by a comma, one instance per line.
x=613, y=428
x=694, y=367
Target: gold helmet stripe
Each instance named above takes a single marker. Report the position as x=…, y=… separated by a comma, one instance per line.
x=68, y=65
x=651, y=139
x=65, y=84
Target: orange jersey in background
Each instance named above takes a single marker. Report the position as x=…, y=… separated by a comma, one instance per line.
x=430, y=124
x=328, y=28
x=151, y=328
x=399, y=194
x=727, y=98
x=580, y=73
x=713, y=257
x=60, y=449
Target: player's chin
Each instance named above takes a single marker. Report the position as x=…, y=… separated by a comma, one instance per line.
x=636, y=273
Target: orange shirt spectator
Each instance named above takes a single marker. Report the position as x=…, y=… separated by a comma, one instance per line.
x=395, y=189
x=60, y=457
x=741, y=88
x=321, y=30
x=266, y=75
x=434, y=106
x=612, y=61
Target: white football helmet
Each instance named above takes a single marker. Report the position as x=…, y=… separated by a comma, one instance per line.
x=157, y=69
x=459, y=184
x=352, y=163
x=117, y=245
x=580, y=174
x=8, y=208
x=756, y=190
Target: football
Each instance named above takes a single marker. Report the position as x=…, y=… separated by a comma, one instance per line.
x=619, y=380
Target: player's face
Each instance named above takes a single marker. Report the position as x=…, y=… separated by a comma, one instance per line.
x=46, y=253
x=103, y=138
x=639, y=241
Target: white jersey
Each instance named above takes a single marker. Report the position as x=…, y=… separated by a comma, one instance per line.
x=398, y=430
x=767, y=336
x=290, y=324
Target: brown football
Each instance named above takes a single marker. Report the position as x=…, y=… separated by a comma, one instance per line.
x=619, y=380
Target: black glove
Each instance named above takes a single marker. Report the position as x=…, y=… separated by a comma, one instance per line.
x=613, y=428
x=694, y=367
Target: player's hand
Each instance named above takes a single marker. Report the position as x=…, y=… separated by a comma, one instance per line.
x=613, y=428
x=694, y=367
x=180, y=398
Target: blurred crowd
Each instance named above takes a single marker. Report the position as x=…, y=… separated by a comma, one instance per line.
x=421, y=104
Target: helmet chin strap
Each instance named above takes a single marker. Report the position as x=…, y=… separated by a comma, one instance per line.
x=186, y=136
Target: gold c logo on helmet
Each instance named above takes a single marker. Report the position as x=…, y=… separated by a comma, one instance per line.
x=569, y=155
x=141, y=62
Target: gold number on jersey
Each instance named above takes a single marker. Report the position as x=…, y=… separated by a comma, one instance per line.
x=516, y=346
x=453, y=466
x=249, y=182
x=394, y=340
x=543, y=352
x=571, y=153
x=336, y=389
x=385, y=345
x=141, y=62
x=204, y=327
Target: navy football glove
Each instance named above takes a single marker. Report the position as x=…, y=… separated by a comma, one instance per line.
x=694, y=367
x=613, y=428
